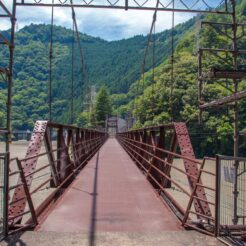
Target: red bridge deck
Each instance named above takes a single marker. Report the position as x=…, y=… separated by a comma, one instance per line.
x=110, y=194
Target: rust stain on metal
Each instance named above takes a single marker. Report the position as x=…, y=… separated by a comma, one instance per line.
x=191, y=167
x=28, y=166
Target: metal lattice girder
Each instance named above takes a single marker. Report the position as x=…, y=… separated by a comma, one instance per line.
x=4, y=11
x=33, y=150
x=198, y=6
x=80, y=141
x=225, y=74
x=154, y=149
x=225, y=100
x=191, y=168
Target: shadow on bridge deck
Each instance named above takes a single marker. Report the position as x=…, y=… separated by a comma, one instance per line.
x=110, y=195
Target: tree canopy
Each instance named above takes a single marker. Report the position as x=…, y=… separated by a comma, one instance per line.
x=103, y=108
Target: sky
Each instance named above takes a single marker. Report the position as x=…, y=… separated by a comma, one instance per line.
x=108, y=24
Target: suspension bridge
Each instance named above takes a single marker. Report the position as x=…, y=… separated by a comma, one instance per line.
x=138, y=187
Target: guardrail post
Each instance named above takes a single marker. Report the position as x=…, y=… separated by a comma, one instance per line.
x=63, y=156
x=48, y=145
x=217, y=196
x=170, y=157
x=27, y=193
x=6, y=158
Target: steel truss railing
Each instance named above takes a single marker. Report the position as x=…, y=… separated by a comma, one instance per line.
x=198, y=6
x=65, y=156
x=154, y=152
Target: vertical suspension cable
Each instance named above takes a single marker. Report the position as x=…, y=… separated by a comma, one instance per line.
x=50, y=61
x=72, y=77
x=172, y=65
x=135, y=101
x=143, y=77
x=199, y=77
x=153, y=58
x=137, y=90
x=146, y=51
x=153, y=71
x=84, y=73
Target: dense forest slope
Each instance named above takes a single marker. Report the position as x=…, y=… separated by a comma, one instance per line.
x=162, y=101
x=116, y=64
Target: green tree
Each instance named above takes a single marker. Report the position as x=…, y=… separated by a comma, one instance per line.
x=83, y=119
x=103, y=106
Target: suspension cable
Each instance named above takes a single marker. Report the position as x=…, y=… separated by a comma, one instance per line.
x=153, y=57
x=153, y=71
x=72, y=78
x=78, y=38
x=50, y=61
x=172, y=64
x=83, y=67
x=146, y=52
x=149, y=37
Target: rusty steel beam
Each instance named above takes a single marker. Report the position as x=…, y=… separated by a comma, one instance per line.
x=6, y=10
x=180, y=5
x=186, y=149
x=225, y=100
x=28, y=166
x=240, y=52
x=215, y=73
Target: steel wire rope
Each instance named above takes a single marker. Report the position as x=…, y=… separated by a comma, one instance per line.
x=145, y=55
x=72, y=78
x=83, y=71
x=153, y=72
x=172, y=65
x=50, y=61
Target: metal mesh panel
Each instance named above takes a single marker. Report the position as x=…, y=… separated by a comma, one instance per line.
x=2, y=161
x=232, y=196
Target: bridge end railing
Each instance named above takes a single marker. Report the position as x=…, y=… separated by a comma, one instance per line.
x=165, y=156
x=48, y=167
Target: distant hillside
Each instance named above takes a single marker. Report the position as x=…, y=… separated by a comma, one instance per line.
x=162, y=101
x=116, y=64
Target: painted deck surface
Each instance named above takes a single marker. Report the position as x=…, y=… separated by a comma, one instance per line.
x=110, y=195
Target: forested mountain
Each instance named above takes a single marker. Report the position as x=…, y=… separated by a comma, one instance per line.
x=162, y=101
x=116, y=64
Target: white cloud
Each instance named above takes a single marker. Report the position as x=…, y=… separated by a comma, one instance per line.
x=109, y=24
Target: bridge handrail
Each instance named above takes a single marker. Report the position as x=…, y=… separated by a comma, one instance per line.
x=166, y=151
x=147, y=149
x=74, y=147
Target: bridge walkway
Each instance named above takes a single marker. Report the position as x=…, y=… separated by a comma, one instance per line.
x=110, y=195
